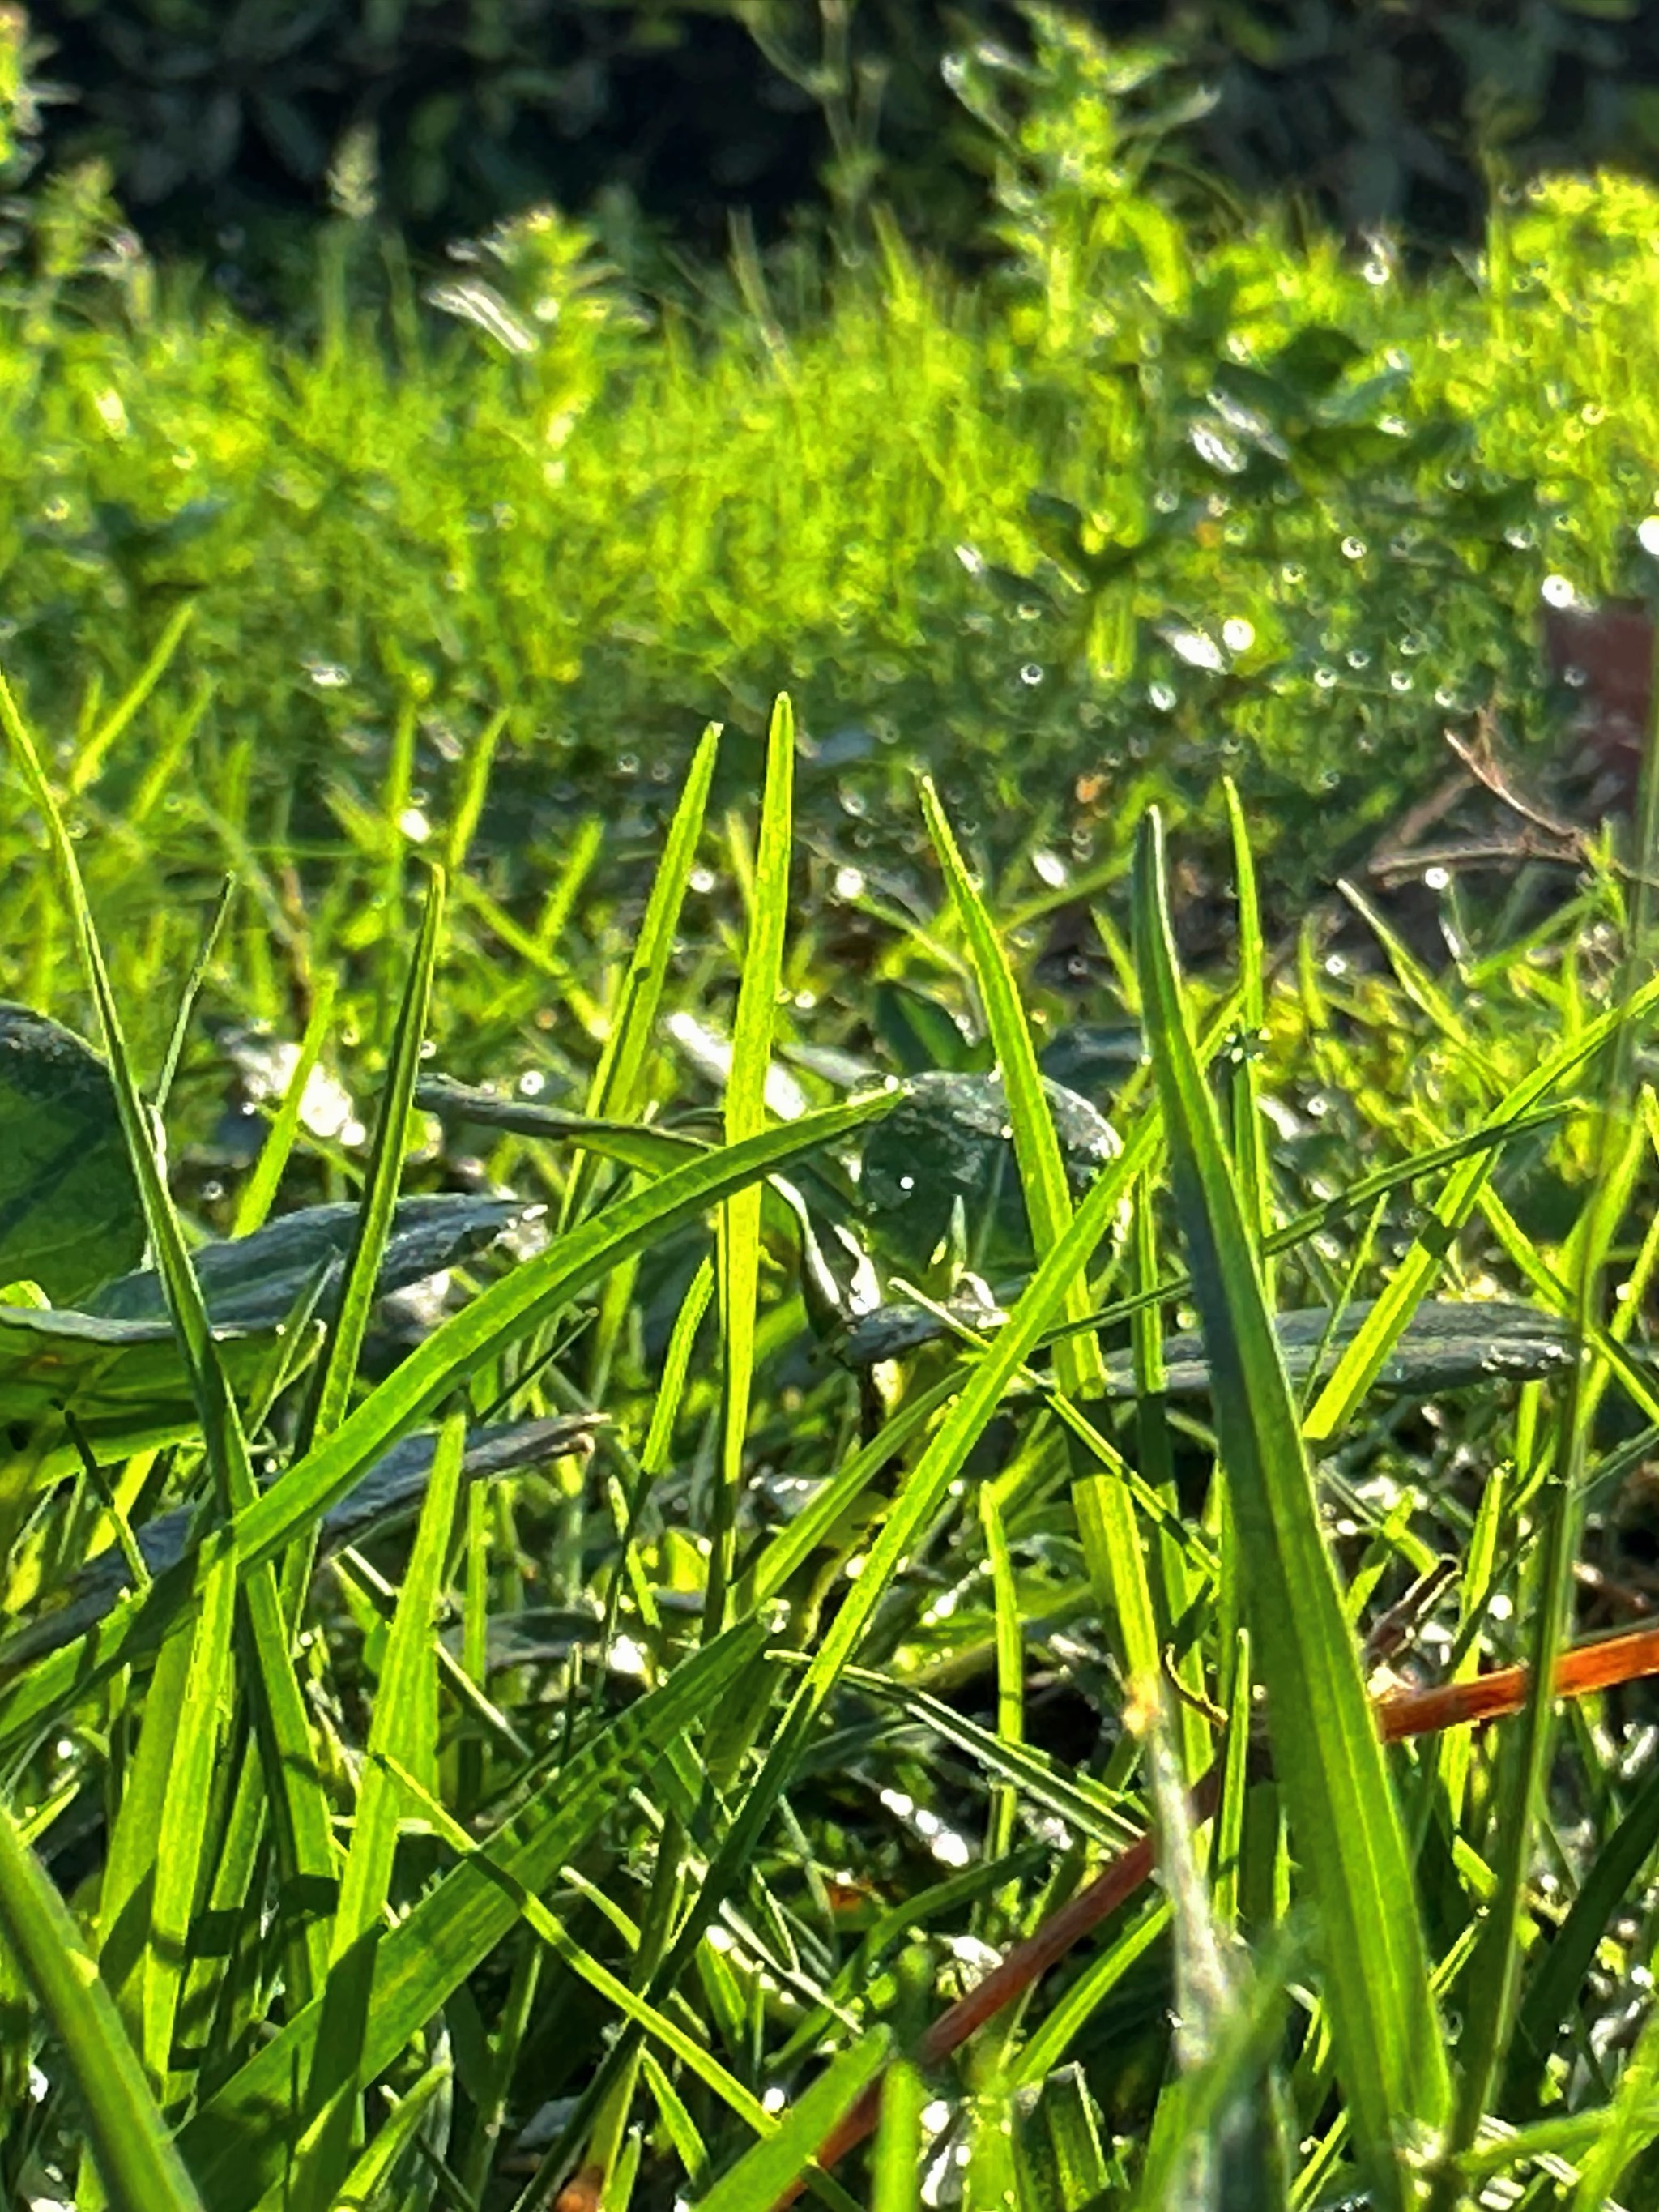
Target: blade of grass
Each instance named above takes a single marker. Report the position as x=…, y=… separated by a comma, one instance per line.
x=739, y=1230
x=139, y=2167
x=284, y=1732
x=236, y=2144
x=190, y=993
x=1344, y=1818
x=474, y=783
x=508, y=1310
x=1080, y=1370
x=675, y=2040
x=342, y=1346
x=1409, y=1284
x=259, y=1193
x=763, y=2174
x=89, y=761
x=617, y=1093
x=403, y=1732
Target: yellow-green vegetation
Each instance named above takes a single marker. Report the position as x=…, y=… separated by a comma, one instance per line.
x=705, y=1431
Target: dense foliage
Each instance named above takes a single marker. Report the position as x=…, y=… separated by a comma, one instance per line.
x=661, y=1386
x=218, y=121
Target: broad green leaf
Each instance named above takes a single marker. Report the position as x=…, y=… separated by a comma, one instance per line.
x=1448, y=1344
x=634, y=1144
x=1345, y=1824
x=251, y=1283
x=386, y=1493
x=951, y=1138
x=70, y=1215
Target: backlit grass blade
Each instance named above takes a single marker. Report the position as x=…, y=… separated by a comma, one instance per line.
x=470, y=801
x=403, y=1729
x=615, y=1094
x=738, y=1271
x=140, y=2169
x=1080, y=1370
x=259, y=1193
x=1345, y=1824
x=90, y=760
x=181, y=1835
x=896, y=2164
x=235, y=2145
x=1249, y=1152
x=919, y=1498
x=504, y=1314
x=284, y=1732
x=342, y=1346
x=366, y=2185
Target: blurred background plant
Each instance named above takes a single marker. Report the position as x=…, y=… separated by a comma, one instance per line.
x=220, y=124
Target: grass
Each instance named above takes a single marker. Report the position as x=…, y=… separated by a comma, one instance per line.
x=695, y=1870
x=832, y=1559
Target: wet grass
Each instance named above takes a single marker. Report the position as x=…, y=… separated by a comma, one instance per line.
x=651, y=1799
x=959, y=1476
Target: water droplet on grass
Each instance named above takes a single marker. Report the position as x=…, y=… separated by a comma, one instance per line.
x=1195, y=649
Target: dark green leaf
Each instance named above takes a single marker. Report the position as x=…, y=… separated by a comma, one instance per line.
x=70, y=1211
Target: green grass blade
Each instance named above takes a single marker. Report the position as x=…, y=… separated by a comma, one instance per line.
x=259, y=1193
x=675, y=2040
x=505, y=1313
x=139, y=2167
x=180, y=1835
x=475, y=784
x=762, y=2174
x=284, y=1731
x=190, y=993
x=895, y=2165
x=235, y=2145
x=1409, y=1284
x=746, y=1116
x=89, y=761
x=617, y=1092
x=403, y=1731
x=372, y=2174
x=1345, y=1822
x=1080, y=1370
x=342, y=1346
x=919, y=1498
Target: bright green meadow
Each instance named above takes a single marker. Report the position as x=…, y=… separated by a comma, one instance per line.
x=676, y=1347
